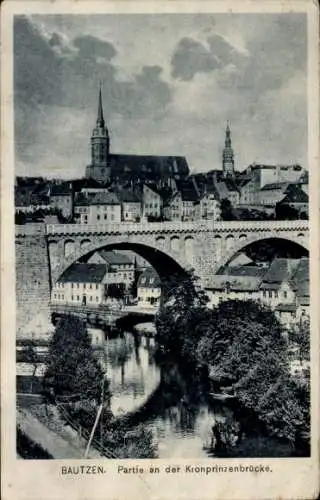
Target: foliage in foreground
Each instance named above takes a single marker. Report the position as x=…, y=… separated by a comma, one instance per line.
x=72, y=369
x=242, y=345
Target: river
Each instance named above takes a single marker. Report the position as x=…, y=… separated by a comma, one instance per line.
x=179, y=412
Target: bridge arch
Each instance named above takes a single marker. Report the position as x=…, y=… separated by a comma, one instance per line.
x=165, y=261
x=243, y=244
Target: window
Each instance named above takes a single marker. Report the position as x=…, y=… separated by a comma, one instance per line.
x=285, y=294
x=97, y=286
x=98, y=217
x=78, y=298
x=105, y=216
x=124, y=276
x=276, y=293
x=270, y=293
x=97, y=298
x=151, y=281
x=90, y=298
x=55, y=295
x=71, y=285
x=90, y=286
x=112, y=217
x=84, y=286
x=77, y=285
x=71, y=297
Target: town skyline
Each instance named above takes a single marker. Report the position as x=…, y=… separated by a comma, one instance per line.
x=158, y=102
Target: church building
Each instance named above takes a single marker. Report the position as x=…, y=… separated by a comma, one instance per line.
x=106, y=167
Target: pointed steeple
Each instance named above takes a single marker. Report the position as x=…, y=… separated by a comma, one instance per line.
x=228, y=136
x=228, y=156
x=100, y=119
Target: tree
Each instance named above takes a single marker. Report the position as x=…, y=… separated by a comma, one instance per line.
x=182, y=308
x=116, y=290
x=30, y=356
x=246, y=350
x=72, y=370
x=134, y=285
x=227, y=212
x=284, y=211
x=299, y=336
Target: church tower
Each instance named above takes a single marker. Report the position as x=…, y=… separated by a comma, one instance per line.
x=228, y=156
x=100, y=143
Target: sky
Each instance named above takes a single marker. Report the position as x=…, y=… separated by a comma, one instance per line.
x=169, y=83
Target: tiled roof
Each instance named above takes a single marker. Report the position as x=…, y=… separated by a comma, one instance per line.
x=188, y=190
x=280, y=270
x=112, y=257
x=286, y=307
x=254, y=271
x=61, y=190
x=145, y=165
x=234, y=283
x=127, y=196
x=104, y=198
x=301, y=273
x=279, y=186
x=81, y=200
x=295, y=195
x=84, y=273
x=149, y=279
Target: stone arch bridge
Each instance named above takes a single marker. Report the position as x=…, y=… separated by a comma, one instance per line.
x=170, y=247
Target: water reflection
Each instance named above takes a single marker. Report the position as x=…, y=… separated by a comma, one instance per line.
x=184, y=420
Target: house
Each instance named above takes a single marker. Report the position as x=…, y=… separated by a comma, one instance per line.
x=228, y=287
x=120, y=268
x=81, y=284
x=152, y=201
x=97, y=208
x=184, y=204
x=276, y=287
x=149, y=289
x=61, y=198
x=296, y=198
x=283, y=286
x=209, y=203
x=271, y=194
x=131, y=205
x=228, y=190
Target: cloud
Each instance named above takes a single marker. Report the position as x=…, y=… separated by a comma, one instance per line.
x=51, y=70
x=192, y=56
x=91, y=47
x=171, y=95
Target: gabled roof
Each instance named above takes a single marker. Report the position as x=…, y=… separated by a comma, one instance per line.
x=253, y=271
x=143, y=165
x=61, y=190
x=104, y=198
x=188, y=190
x=301, y=273
x=112, y=257
x=149, y=279
x=84, y=273
x=127, y=196
x=81, y=200
x=234, y=283
x=295, y=195
x=280, y=270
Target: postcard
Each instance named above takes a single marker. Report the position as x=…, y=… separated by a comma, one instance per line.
x=160, y=250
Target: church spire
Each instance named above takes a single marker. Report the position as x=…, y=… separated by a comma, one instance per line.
x=100, y=119
x=228, y=136
x=228, y=156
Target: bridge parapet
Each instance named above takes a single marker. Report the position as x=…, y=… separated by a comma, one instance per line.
x=178, y=227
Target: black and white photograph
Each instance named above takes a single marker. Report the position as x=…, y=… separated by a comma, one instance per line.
x=161, y=212
x=161, y=170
